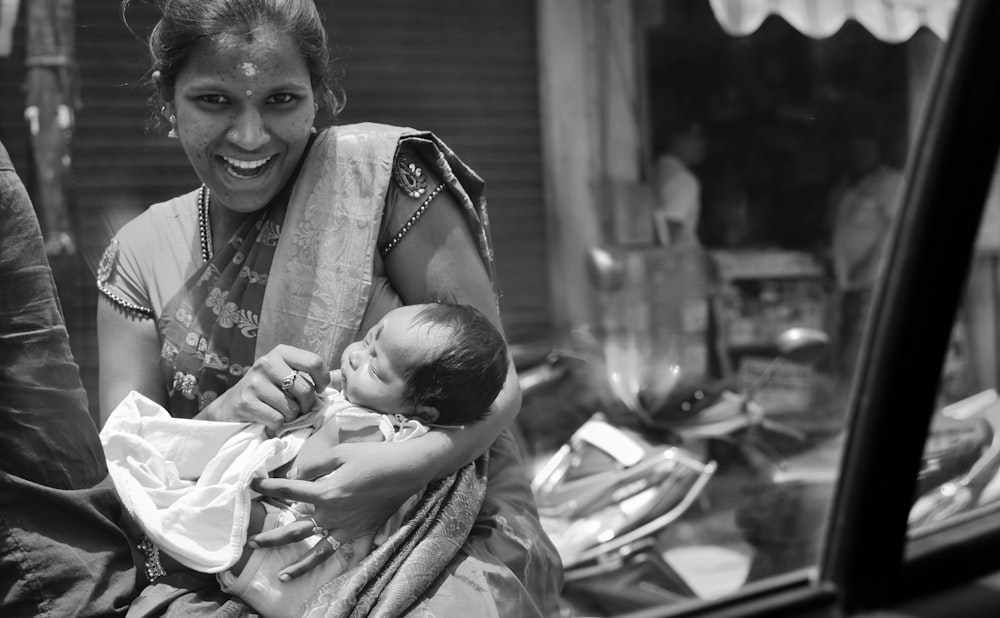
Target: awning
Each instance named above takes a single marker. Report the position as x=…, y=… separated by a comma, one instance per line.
x=892, y=21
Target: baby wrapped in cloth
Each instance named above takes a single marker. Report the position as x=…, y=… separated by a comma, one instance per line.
x=186, y=482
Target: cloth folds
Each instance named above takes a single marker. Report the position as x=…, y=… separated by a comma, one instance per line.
x=64, y=549
x=475, y=546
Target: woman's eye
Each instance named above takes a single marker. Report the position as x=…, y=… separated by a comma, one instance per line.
x=283, y=98
x=213, y=99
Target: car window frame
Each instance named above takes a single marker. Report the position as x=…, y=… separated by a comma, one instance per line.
x=868, y=559
x=867, y=555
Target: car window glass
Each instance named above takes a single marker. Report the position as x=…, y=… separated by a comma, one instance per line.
x=728, y=308
x=961, y=458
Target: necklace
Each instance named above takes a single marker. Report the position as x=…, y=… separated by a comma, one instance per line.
x=204, y=223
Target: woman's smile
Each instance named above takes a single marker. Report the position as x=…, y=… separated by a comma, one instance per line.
x=241, y=169
x=245, y=130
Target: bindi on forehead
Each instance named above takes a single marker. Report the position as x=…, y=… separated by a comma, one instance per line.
x=253, y=47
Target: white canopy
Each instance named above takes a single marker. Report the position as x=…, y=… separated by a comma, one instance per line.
x=889, y=20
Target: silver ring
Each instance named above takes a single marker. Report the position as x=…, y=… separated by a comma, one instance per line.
x=288, y=381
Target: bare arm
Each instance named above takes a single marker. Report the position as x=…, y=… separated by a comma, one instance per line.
x=438, y=258
x=442, y=260
x=128, y=349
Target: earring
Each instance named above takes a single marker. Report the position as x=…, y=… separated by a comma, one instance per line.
x=312, y=130
x=172, y=133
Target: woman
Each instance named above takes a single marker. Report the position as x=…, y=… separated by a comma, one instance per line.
x=297, y=241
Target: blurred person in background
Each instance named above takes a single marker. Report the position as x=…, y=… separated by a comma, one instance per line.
x=863, y=207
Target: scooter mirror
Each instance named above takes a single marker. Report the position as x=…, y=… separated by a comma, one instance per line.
x=605, y=269
x=802, y=345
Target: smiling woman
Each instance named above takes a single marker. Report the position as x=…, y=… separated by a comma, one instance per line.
x=243, y=108
x=297, y=241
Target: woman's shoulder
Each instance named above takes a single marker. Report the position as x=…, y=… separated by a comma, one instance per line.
x=183, y=206
x=369, y=130
x=159, y=220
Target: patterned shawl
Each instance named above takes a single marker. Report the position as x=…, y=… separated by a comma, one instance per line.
x=303, y=276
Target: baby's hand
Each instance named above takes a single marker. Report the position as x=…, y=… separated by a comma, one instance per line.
x=336, y=379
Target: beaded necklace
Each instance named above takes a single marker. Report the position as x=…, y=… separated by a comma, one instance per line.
x=205, y=224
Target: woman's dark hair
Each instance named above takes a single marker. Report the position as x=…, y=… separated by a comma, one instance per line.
x=464, y=378
x=184, y=23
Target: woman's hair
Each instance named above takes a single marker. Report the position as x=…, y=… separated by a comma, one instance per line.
x=184, y=23
x=464, y=378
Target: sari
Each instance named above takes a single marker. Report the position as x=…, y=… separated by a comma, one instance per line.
x=310, y=274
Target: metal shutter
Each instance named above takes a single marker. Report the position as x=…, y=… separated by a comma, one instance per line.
x=468, y=72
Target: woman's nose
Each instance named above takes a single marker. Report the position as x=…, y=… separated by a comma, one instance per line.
x=249, y=132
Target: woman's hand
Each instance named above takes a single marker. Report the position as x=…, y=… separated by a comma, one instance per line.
x=278, y=387
x=360, y=486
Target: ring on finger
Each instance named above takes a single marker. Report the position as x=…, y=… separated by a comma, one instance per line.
x=288, y=381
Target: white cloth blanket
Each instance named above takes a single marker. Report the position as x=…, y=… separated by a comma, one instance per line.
x=187, y=482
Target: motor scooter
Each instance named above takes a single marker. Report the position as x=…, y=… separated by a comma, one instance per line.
x=609, y=492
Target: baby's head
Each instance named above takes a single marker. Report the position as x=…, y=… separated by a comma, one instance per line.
x=440, y=362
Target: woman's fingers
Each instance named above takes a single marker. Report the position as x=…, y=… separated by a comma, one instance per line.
x=298, y=376
x=323, y=549
x=298, y=530
x=309, y=363
x=289, y=533
x=289, y=490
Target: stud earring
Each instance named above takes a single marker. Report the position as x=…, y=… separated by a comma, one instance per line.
x=172, y=133
x=312, y=130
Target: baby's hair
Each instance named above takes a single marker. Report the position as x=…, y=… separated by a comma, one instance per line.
x=464, y=378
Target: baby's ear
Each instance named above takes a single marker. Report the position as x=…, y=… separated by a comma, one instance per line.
x=427, y=414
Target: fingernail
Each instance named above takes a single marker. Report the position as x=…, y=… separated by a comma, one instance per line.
x=253, y=544
x=292, y=473
x=284, y=577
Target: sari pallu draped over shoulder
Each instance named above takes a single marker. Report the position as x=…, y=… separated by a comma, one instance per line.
x=474, y=546
x=322, y=275
x=474, y=543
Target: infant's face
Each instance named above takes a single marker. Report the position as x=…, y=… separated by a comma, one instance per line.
x=373, y=368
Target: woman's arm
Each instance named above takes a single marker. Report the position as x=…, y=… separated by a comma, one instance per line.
x=128, y=349
x=365, y=483
x=438, y=259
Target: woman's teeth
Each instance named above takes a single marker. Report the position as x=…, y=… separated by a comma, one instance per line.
x=245, y=169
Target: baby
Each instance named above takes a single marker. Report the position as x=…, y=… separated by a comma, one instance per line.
x=187, y=482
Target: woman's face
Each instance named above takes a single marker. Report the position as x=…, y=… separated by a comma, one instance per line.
x=244, y=108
